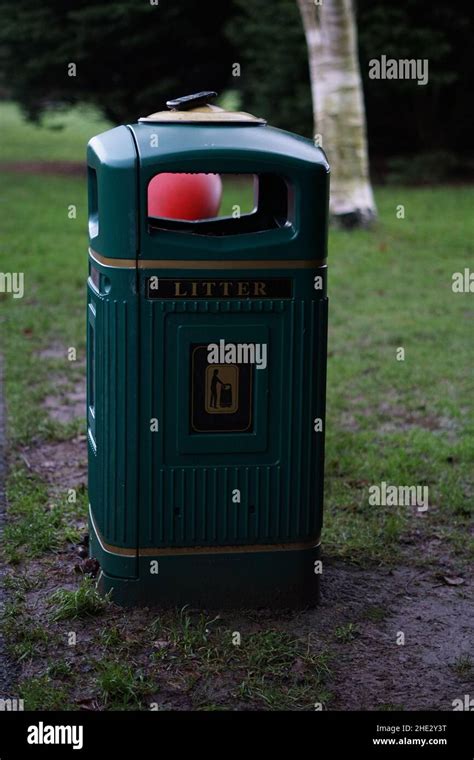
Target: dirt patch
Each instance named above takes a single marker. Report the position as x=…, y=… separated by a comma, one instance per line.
x=62, y=168
x=68, y=403
x=59, y=351
x=54, y=351
x=62, y=464
x=402, y=419
x=362, y=614
x=395, y=418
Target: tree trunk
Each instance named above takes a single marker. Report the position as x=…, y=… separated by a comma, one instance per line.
x=338, y=106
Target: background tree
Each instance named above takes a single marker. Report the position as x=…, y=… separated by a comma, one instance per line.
x=338, y=105
x=430, y=126
x=274, y=79
x=415, y=133
x=130, y=55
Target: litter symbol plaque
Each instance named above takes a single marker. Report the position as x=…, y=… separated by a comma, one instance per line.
x=222, y=389
x=221, y=395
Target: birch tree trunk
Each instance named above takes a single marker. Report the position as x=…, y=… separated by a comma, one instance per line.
x=338, y=106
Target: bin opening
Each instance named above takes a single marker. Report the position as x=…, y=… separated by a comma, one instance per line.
x=93, y=203
x=217, y=204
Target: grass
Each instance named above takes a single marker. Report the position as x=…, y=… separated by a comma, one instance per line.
x=41, y=693
x=269, y=669
x=281, y=674
x=38, y=523
x=376, y=614
x=60, y=136
x=82, y=602
x=121, y=687
x=463, y=665
x=20, y=583
x=190, y=634
x=26, y=639
x=112, y=638
x=346, y=633
x=60, y=669
x=406, y=422
x=51, y=313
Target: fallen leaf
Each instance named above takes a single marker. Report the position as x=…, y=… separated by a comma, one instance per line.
x=88, y=567
x=88, y=704
x=161, y=644
x=451, y=581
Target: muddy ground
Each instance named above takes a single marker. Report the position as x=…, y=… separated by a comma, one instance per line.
x=372, y=670
x=396, y=637
x=7, y=667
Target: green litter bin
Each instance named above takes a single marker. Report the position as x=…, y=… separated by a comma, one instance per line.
x=206, y=364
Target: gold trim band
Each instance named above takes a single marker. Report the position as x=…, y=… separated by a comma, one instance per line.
x=116, y=263
x=206, y=264
x=190, y=550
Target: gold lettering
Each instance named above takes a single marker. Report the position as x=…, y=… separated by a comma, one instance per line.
x=177, y=290
x=223, y=288
x=259, y=289
x=209, y=288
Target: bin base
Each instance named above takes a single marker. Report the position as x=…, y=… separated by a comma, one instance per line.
x=235, y=579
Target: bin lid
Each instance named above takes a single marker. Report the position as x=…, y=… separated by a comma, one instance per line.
x=191, y=109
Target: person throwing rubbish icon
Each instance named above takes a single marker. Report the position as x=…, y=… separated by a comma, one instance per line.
x=215, y=380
